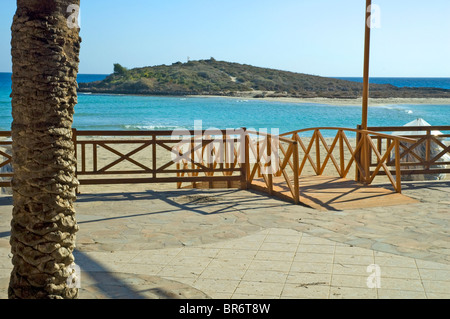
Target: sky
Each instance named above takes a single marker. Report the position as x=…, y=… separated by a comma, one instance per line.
x=320, y=37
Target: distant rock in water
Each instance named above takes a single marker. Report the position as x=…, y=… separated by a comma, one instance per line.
x=211, y=77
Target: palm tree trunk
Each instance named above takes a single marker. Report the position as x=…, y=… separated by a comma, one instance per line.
x=45, y=64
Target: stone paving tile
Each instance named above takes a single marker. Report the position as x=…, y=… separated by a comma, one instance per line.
x=400, y=272
x=400, y=294
x=296, y=291
x=309, y=240
x=142, y=269
x=352, y=293
x=395, y=261
x=314, y=257
x=210, y=286
x=346, y=269
x=425, y=264
x=270, y=265
x=435, y=275
x=308, y=279
x=318, y=249
x=432, y=286
x=275, y=255
x=349, y=281
x=238, y=251
x=219, y=272
x=199, y=252
x=191, y=262
x=311, y=267
x=231, y=263
x=402, y=284
x=259, y=288
x=432, y=295
x=279, y=247
x=354, y=259
x=268, y=276
x=348, y=250
x=253, y=297
x=152, y=257
x=287, y=240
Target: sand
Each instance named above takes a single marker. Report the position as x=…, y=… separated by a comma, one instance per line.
x=348, y=102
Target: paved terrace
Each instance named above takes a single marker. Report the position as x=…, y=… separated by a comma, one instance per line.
x=241, y=244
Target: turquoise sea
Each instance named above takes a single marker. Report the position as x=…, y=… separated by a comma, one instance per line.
x=122, y=112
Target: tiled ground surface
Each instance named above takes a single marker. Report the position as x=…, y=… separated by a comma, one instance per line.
x=243, y=245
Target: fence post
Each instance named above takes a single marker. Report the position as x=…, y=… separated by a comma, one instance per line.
x=428, y=150
x=296, y=174
x=316, y=135
x=358, y=155
x=366, y=157
x=398, y=173
x=75, y=147
x=341, y=153
x=244, y=159
x=268, y=167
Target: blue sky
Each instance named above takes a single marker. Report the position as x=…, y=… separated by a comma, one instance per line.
x=322, y=37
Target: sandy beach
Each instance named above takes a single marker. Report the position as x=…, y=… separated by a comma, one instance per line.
x=348, y=102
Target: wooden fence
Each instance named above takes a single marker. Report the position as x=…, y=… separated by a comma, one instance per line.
x=236, y=159
x=137, y=157
x=427, y=155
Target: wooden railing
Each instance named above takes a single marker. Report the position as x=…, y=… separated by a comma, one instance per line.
x=273, y=155
x=429, y=154
x=6, y=153
x=343, y=154
x=165, y=157
x=239, y=158
x=137, y=157
x=214, y=152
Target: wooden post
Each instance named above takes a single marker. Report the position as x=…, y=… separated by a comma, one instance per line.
x=154, y=167
x=296, y=174
x=428, y=150
x=358, y=177
x=365, y=101
x=268, y=165
x=95, y=159
x=247, y=159
x=316, y=134
x=398, y=173
x=75, y=146
x=243, y=159
x=341, y=153
x=366, y=158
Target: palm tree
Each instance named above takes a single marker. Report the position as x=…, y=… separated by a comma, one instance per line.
x=45, y=52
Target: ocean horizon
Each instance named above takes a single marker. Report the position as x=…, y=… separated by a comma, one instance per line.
x=130, y=112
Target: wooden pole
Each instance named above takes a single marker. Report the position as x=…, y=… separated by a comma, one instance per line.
x=365, y=101
x=296, y=174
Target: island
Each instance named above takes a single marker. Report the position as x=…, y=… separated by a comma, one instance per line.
x=220, y=78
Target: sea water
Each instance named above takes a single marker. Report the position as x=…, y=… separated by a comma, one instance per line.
x=126, y=112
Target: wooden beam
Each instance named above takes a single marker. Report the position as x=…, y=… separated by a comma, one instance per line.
x=365, y=102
